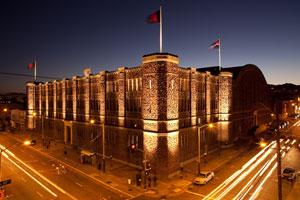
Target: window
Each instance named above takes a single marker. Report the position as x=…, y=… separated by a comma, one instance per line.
x=133, y=139
x=172, y=84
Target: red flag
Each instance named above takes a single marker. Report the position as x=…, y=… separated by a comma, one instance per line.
x=30, y=66
x=215, y=45
x=154, y=18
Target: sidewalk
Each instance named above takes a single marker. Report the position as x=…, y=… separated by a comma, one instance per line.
x=183, y=181
x=117, y=174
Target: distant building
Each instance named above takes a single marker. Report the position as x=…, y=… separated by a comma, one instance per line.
x=18, y=119
x=8, y=102
x=286, y=98
x=158, y=107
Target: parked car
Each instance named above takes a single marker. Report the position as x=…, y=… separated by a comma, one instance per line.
x=289, y=173
x=203, y=178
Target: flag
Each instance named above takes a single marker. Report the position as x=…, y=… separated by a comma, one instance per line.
x=215, y=45
x=30, y=66
x=154, y=18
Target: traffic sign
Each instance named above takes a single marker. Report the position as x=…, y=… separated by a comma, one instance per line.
x=8, y=181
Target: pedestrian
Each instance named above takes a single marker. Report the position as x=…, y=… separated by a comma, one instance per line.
x=154, y=181
x=65, y=151
x=99, y=165
x=149, y=182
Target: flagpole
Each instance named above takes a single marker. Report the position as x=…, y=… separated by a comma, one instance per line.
x=34, y=70
x=160, y=24
x=220, y=53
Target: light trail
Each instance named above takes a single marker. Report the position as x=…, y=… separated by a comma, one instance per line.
x=33, y=178
x=260, y=173
x=297, y=123
x=36, y=172
x=224, y=188
x=246, y=173
x=243, y=193
x=238, y=172
x=258, y=189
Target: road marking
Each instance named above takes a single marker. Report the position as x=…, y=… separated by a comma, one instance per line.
x=78, y=184
x=43, y=163
x=38, y=174
x=39, y=194
x=41, y=184
x=23, y=179
x=31, y=161
x=194, y=193
x=83, y=173
x=75, y=169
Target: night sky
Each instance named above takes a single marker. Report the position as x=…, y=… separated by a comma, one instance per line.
x=66, y=36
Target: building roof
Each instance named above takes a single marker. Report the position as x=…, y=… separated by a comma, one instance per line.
x=234, y=70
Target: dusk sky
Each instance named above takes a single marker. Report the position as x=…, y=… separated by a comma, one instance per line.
x=66, y=36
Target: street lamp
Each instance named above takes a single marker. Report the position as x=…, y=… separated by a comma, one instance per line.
x=210, y=125
x=92, y=121
x=146, y=165
x=27, y=142
x=262, y=144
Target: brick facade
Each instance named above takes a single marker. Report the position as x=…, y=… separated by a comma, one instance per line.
x=156, y=106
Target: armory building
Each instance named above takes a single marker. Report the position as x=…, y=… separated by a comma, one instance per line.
x=159, y=107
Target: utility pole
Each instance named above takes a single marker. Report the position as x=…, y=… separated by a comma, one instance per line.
x=210, y=125
x=43, y=137
x=1, y=164
x=278, y=155
x=199, y=151
x=103, y=147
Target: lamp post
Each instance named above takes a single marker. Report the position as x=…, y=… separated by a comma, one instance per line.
x=210, y=125
x=92, y=121
x=278, y=161
x=43, y=136
x=34, y=124
x=144, y=166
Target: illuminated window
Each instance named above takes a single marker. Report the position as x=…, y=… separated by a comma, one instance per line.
x=136, y=84
x=172, y=84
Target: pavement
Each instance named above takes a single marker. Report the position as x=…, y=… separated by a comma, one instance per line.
x=115, y=179
x=117, y=174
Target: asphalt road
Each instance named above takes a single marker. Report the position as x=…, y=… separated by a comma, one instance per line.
x=22, y=186
x=290, y=190
x=66, y=182
x=258, y=183
x=240, y=178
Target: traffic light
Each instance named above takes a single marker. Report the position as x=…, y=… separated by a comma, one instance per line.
x=147, y=168
x=132, y=147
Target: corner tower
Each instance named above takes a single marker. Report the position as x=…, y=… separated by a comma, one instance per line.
x=160, y=112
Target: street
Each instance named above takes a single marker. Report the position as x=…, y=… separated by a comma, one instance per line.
x=64, y=180
x=252, y=175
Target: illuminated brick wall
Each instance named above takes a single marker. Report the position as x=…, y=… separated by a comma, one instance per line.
x=74, y=97
x=156, y=106
x=54, y=98
x=46, y=99
x=63, y=98
x=30, y=90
